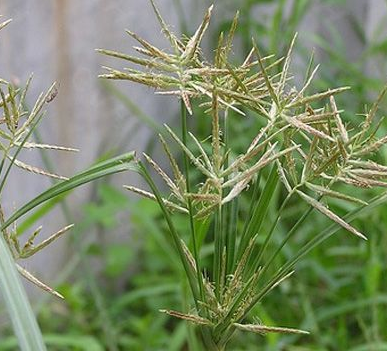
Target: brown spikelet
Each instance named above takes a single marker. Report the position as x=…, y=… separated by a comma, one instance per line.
x=340, y=126
x=307, y=128
x=170, y=205
x=316, y=97
x=194, y=42
x=371, y=114
x=187, y=102
x=263, y=329
x=321, y=208
x=3, y=24
x=30, y=250
x=37, y=170
x=165, y=177
x=188, y=317
x=37, y=282
x=331, y=193
x=47, y=147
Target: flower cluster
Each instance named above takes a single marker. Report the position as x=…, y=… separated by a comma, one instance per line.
x=302, y=137
x=17, y=124
x=327, y=151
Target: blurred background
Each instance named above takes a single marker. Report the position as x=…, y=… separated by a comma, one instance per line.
x=113, y=268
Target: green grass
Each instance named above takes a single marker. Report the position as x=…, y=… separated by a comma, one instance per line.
x=337, y=293
x=309, y=147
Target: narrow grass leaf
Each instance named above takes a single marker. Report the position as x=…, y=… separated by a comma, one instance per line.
x=105, y=168
x=19, y=309
x=259, y=211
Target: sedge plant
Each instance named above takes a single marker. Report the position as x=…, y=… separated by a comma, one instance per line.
x=17, y=124
x=302, y=148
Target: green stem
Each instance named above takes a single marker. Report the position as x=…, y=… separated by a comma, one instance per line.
x=259, y=211
x=285, y=269
x=272, y=282
x=106, y=322
x=208, y=339
x=226, y=137
x=218, y=252
x=290, y=234
x=175, y=237
x=230, y=210
x=254, y=199
x=231, y=234
x=192, y=340
x=258, y=258
x=184, y=132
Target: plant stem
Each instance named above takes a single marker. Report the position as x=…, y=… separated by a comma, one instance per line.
x=218, y=252
x=231, y=234
x=191, y=337
x=289, y=235
x=259, y=211
x=230, y=209
x=184, y=132
x=258, y=258
x=175, y=237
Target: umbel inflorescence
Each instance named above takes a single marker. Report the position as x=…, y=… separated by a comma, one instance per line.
x=17, y=124
x=303, y=139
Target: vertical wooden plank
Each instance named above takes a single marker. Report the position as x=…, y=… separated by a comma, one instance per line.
x=56, y=40
x=376, y=33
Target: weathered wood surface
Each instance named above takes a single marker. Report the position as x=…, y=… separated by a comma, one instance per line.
x=56, y=41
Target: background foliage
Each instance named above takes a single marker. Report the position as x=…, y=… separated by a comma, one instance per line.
x=112, y=289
